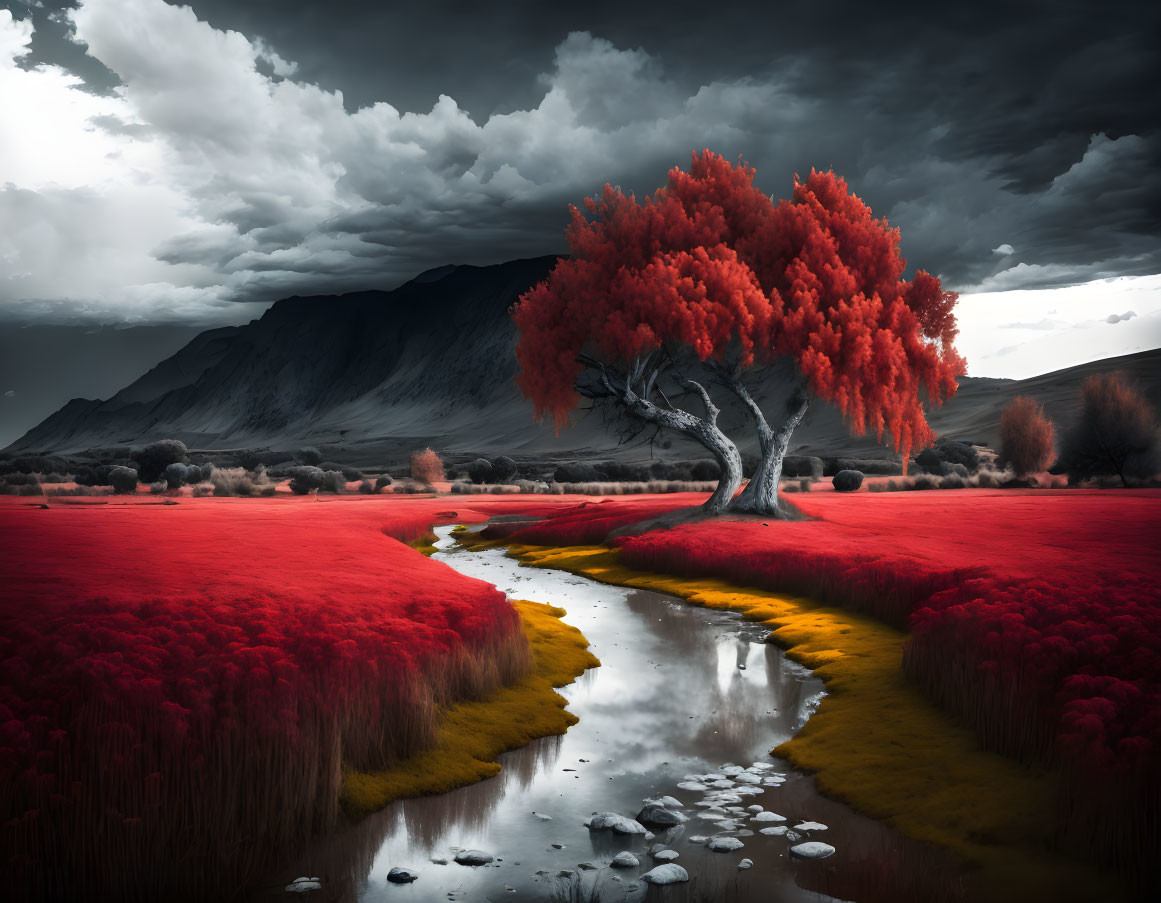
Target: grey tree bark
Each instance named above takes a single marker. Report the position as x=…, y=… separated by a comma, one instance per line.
x=636, y=402
x=760, y=496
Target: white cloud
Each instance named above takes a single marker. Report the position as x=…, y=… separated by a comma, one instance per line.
x=211, y=176
x=1057, y=327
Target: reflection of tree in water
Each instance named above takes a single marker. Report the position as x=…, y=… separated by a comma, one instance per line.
x=679, y=628
x=726, y=719
x=344, y=859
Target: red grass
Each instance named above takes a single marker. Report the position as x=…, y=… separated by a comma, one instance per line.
x=182, y=684
x=1035, y=616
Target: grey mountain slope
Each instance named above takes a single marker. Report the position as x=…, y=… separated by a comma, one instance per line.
x=433, y=362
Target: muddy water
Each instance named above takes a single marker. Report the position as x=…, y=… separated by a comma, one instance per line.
x=683, y=695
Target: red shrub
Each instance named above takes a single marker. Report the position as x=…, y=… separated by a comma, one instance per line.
x=1027, y=437
x=184, y=683
x=426, y=466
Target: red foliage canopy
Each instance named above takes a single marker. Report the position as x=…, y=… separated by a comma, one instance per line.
x=708, y=259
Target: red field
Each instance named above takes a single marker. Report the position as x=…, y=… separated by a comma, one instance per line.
x=186, y=681
x=223, y=657
x=1034, y=615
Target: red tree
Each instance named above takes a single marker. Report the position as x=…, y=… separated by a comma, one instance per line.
x=709, y=264
x=859, y=336
x=1027, y=437
x=647, y=282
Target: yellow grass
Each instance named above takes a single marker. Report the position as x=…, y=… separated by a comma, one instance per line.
x=472, y=734
x=876, y=743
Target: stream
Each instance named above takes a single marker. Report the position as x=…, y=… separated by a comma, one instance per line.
x=687, y=703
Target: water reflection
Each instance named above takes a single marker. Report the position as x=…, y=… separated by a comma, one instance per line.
x=681, y=691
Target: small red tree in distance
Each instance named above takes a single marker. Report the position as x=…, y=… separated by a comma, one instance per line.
x=1115, y=434
x=426, y=466
x=1027, y=437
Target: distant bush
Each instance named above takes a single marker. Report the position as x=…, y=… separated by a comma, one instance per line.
x=123, y=479
x=802, y=466
x=953, y=451
x=351, y=474
x=382, y=482
x=21, y=479
x=847, y=480
x=576, y=473
x=426, y=466
x=704, y=471
x=305, y=479
x=410, y=486
x=176, y=475
x=873, y=466
x=38, y=464
x=236, y=481
x=1027, y=437
x=152, y=459
x=1116, y=433
x=952, y=481
x=504, y=469
x=480, y=471
x=333, y=481
x=925, y=481
x=309, y=456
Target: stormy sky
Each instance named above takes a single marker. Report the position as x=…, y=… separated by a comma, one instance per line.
x=187, y=165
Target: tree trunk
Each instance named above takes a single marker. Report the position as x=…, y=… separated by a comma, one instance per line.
x=704, y=431
x=761, y=494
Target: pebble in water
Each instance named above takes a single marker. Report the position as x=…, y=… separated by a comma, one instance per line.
x=767, y=815
x=773, y=832
x=746, y=864
x=625, y=860
x=301, y=885
x=669, y=873
x=810, y=826
x=654, y=814
x=812, y=849
x=399, y=875
x=618, y=824
x=725, y=844
x=473, y=857
x=666, y=855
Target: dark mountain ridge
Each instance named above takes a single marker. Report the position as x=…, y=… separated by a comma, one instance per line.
x=379, y=373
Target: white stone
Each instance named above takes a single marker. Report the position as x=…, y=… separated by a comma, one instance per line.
x=618, y=824
x=767, y=815
x=473, y=857
x=810, y=826
x=746, y=864
x=667, y=801
x=666, y=855
x=697, y=838
x=695, y=786
x=725, y=844
x=399, y=875
x=812, y=849
x=625, y=860
x=773, y=832
x=302, y=885
x=746, y=778
x=754, y=808
x=669, y=873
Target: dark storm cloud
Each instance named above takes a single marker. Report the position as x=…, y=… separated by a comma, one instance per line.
x=1016, y=145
